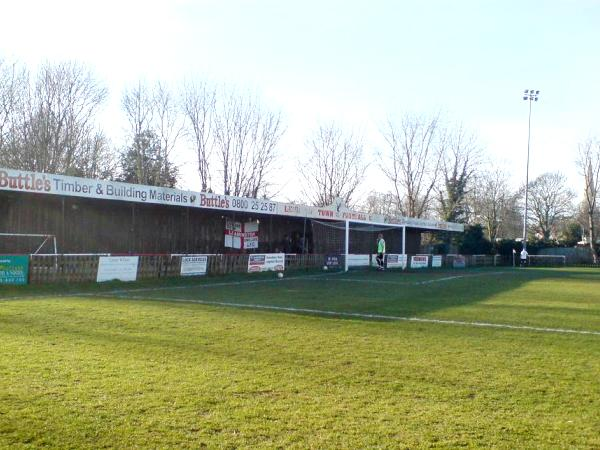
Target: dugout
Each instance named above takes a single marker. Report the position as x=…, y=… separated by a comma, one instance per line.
x=98, y=216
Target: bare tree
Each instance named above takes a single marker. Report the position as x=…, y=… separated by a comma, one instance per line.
x=138, y=105
x=588, y=162
x=268, y=130
x=168, y=124
x=492, y=203
x=550, y=201
x=198, y=105
x=97, y=159
x=412, y=162
x=57, y=118
x=154, y=128
x=381, y=203
x=459, y=161
x=14, y=80
x=333, y=167
x=246, y=138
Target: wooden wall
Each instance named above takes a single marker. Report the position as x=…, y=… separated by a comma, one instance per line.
x=104, y=226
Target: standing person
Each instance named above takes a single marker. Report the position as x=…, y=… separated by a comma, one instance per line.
x=524, y=255
x=380, y=251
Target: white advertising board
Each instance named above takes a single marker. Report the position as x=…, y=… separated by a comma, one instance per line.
x=122, y=268
x=193, y=265
x=394, y=261
x=358, y=260
x=459, y=262
x=419, y=262
x=436, y=261
x=263, y=262
x=251, y=235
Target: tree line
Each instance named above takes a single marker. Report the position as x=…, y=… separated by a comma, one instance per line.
x=49, y=122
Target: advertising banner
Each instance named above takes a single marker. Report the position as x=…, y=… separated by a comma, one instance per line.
x=419, y=262
x=122, y=268
x=53, y=184
x=263, y=262
x=14, y=269
x=358, y=260
x=333, y=261
x=436, y=261
x=194, y=265
x=459, y=262
x=395, y=261
x=241, y=235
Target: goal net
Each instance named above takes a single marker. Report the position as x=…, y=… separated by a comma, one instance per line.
x=349, y=245
x=547, y=260
x=33, y=244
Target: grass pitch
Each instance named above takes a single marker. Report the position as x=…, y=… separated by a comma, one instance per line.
x=497, y=358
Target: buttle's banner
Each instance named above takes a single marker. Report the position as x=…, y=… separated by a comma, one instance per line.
x=264, y=262
x=14, y=269
x=45, y=183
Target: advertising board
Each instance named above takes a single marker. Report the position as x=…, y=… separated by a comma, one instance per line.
x=459, y=262
x=193, y=265
x=394, y=261
x=264, y=262
x=122, y=268
x=14, y=269
x=419, y=262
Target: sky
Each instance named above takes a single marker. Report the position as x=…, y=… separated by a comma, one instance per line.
x=355, y=63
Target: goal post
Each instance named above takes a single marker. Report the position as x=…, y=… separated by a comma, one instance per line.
x=353, y=244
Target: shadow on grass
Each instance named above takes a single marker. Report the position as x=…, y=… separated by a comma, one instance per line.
x=398, y=294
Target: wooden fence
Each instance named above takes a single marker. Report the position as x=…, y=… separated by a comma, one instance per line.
x=84, y=268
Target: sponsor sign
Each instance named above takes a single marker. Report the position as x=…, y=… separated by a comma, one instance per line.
x=264, y=262
x=459, y=262
x=419, y=262
x=194, y=265
x=333, y=261
x=122, y=268
x=394, y=261
x=358, y=260
x=42, y=183
x=241, y=235
x=14, y=269
x=436, y=261
x=250, y=237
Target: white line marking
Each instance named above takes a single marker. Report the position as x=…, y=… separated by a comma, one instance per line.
x=368, y=316
x=418, y=283
x=162, y=288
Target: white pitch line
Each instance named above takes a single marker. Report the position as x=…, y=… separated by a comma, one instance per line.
x=418, y=283
x=370, y=316
x=162, y=288
x=320, y=276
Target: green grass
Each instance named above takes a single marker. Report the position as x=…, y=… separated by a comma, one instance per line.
x=131, y=369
